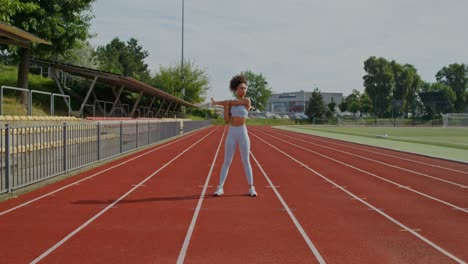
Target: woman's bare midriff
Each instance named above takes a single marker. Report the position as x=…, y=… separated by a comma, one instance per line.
x=237, y=121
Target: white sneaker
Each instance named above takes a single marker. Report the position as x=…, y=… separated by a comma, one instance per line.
x=252, y=191
x=219, y=191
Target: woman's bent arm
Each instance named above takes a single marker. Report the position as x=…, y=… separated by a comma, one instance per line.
x=227, y=114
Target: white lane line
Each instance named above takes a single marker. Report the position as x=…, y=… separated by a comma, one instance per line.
x=379, y=162
x=415, y=230
x=291, y=215
x=379, y=153
x=104, y=206
x=362, y=198
x=373, y=175
x=188, y=236
x=289, y=210
x=93, y=175
x=70, y=235
x=427, y=241
x=459, y=209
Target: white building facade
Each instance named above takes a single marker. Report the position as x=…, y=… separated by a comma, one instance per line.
x=294, y=102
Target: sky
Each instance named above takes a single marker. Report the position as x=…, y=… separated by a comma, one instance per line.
x=296, y=44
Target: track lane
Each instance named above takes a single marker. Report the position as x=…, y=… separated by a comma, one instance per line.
x=148, y=225
x=451, y=196
x=434, y=173
x=60, y=252
x=376, y=194
x=39, y=225
x=50, y=190
x=236, y=228
x=147, y=229
x=446, y=169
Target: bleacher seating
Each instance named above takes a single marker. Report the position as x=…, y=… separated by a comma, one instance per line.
x=38, y=118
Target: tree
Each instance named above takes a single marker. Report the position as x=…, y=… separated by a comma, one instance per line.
x=196, y=81
x=133, y=63
x=366, y=103
x=62, y=22
x=83, y=55
x=379, y=83
x=343, y=106
x=10, y=8
x=316, y=108
x=331, y=109
x=332, y=106
x=353, y=102
x=402, y=82
x=407, y=84
x=414, y=87
x=356, y=102
x=456, y=76
x=258, y=90
x=123, y=58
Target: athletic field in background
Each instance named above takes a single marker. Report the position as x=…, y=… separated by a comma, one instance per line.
x=449, y=143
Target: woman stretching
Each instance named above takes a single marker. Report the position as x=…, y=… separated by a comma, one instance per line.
x=235, y=114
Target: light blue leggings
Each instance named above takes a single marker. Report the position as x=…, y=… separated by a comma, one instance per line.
x=236, y=135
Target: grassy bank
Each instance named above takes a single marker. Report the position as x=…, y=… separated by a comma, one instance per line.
x=11, y=103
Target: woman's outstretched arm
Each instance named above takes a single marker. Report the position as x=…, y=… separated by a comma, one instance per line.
x=243, y=101
x=222, y=103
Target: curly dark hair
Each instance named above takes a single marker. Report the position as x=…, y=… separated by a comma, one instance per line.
x=235, y=81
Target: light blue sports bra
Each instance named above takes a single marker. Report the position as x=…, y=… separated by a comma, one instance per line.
x=239, y=110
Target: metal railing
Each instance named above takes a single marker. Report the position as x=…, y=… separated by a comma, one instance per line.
x=29, y=99
x=26, y=91
x=32, y=154
x=193, y=125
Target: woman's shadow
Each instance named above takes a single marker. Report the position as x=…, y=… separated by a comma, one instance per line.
x=158, y=199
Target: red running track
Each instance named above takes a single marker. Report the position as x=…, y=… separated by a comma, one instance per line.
x=320, y=201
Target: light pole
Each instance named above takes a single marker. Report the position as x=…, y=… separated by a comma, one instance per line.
x=182, y=60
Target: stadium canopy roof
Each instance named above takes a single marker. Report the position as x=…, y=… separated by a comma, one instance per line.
x=12, y=35
x=114, y=79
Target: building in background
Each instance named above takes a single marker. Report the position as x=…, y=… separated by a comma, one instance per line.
x=294, y=102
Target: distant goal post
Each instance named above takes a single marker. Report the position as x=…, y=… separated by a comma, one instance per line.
x=455, y=120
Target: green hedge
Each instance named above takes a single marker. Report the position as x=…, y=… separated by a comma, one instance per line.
x=205, y=113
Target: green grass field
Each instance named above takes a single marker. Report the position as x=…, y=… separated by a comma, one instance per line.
x=450, y=143
x=259, y=122
x=437, y=136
